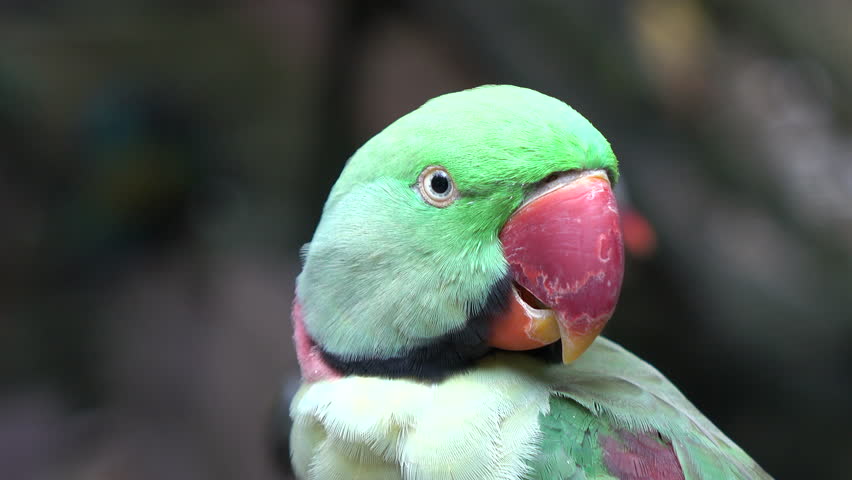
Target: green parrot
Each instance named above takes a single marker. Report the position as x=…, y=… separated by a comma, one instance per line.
x=460, y=252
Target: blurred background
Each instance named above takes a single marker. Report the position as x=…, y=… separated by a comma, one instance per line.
x=161, y=162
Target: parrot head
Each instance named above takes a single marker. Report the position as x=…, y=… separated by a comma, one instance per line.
x=483, y=220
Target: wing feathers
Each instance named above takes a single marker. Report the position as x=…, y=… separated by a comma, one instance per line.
x=629, y=395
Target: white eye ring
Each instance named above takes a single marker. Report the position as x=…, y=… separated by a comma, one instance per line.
x=436, y=186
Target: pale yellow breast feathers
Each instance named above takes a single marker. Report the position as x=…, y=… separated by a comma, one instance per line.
x=480, y=425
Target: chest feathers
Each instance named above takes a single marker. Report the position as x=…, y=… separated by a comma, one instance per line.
x=480, y=425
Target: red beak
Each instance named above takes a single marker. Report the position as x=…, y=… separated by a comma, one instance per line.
x=565, y=252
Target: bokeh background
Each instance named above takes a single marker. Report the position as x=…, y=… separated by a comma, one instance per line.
x=161, y=162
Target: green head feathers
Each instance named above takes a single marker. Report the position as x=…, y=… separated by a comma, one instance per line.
x=386, y=272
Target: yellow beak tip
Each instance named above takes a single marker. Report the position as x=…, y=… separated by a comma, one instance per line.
x=575, y=345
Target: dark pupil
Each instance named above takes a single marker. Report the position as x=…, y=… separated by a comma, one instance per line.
x=440, y=183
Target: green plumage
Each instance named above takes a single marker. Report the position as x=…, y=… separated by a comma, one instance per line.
x=610, y=389
x=387, y=273
x=510, y=418
x=577, y=459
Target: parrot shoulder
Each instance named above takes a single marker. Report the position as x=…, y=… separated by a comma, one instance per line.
x=613, y=415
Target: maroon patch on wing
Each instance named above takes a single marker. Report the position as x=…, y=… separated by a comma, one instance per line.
x=642, y=456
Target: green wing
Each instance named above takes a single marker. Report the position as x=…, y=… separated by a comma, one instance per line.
x=615, y=416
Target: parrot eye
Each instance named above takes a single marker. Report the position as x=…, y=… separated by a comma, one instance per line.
x=436, y=186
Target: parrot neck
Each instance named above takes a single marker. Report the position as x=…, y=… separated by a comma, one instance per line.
x=433, y=361
x=311, y=362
